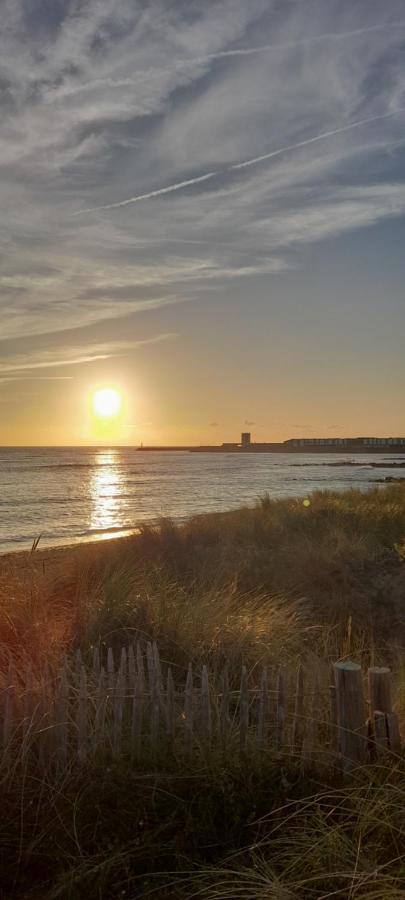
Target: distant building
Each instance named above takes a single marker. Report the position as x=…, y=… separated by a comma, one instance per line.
x=245, y=439
x=345, y=442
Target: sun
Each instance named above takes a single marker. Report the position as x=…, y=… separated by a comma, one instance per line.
x=106, y=403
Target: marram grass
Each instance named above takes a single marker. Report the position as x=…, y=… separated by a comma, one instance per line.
x=275, y=584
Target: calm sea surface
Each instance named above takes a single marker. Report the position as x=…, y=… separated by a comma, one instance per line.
x=70, y=495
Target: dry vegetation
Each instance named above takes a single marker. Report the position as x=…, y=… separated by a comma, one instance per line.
x=275, y=584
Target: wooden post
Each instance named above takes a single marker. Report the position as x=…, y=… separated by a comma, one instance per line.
x=350, y=713
x=280, y=710
x=379, y=686
x=298, y=720
x=382, y=717
x=243, y=710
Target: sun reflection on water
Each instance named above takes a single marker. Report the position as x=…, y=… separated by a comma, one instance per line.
x=105, y=489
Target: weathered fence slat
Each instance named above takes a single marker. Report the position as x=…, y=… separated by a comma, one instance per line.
x=110, y=669
x=298, y=724
x=27, y=702
x=350, y=713
x=54, y=716
x=150, y=664
x=263, y=709
x=170, y=706
x=81, y=720
x=96, y=662
x=131, y=667
x=157, y=667
x=224, y=705
x=61, y=717
x=118, y=707
x=205, y=706
x=309, y=742
x=137, y=715
x=281, y=696
x=100, y=711
x=8, y=704
x=188, y=709
x=243, y=710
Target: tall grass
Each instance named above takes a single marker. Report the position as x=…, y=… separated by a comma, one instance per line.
x=276, y=584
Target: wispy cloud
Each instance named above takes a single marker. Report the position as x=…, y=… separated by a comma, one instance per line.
x=169, y=117
x=181, y=185
x=51, y=359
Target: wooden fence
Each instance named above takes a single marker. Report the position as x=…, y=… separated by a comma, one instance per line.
x=142, y=708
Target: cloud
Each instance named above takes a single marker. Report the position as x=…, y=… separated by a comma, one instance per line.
x=74, y=356
x=255, y=128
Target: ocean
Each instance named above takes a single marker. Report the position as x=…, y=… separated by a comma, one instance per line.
x=67, y=495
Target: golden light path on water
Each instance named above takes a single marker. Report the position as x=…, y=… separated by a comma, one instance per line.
x=105, y=490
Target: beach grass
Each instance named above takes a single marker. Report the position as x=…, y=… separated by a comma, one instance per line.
x=277, y=584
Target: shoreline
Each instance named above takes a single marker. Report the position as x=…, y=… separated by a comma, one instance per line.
x=42, y=554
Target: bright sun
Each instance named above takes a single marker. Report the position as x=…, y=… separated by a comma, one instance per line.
x=107, y=403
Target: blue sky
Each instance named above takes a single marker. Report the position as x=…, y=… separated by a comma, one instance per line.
x=204, y=204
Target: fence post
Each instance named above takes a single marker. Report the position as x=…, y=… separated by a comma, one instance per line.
x=386, y=731
x=350, y=713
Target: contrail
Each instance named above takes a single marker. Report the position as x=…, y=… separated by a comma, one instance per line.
x=179, y=185
x=165, y=190
x=328, y=36
x=317, y=137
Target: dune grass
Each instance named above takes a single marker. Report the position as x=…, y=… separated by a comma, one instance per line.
x=277, y=584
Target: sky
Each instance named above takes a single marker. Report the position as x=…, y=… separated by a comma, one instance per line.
x=203, y=207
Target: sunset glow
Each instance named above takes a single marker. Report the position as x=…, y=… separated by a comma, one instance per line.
x=107, y=403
